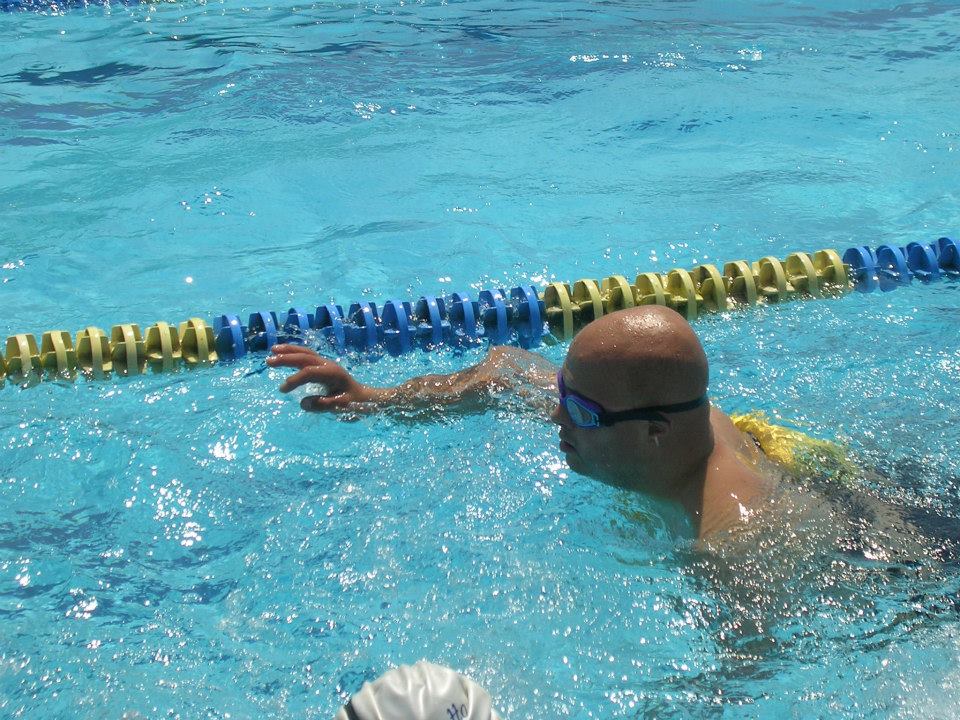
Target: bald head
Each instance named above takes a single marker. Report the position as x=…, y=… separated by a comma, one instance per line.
x=641, y=356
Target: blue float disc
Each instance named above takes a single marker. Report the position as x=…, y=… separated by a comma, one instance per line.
x=297, y=323
x=922, y=262
x=363, y=317
x=430, y=308
x=949, y=259
x=445, y=330
x=493, y=314
x=328, y=319
x=862, y=268
x=463, y=315
x=298, y=319
x=942, y=244
x=262, y=329
x=892, y=270
x=396, y=327
x=527, y=315
x=229, y=334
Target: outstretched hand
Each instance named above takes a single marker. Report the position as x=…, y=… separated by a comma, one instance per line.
x=343, y=392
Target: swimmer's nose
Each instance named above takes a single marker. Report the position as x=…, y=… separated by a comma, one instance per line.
x=560, y=416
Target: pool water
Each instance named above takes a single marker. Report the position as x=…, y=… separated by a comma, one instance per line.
x=192, y=545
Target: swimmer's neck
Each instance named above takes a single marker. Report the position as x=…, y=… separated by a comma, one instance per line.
x=690, y=488
x=721, y=491
x=680, y=474
x=717, y=489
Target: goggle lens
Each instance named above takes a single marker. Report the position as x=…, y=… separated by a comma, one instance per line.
x=581, y=416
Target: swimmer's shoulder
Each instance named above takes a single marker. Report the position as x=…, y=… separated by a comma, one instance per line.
x=724, y=431
x=740, y=479
x=734, y=489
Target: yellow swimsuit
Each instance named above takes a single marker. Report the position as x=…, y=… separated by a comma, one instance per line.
x=800, y=454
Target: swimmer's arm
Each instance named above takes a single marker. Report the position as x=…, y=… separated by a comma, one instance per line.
x=504, y=375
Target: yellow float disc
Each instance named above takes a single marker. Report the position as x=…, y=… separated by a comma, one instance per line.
x=556, y=298
x=831, y=269
x=586, y=296
x=681, y=293
x=93, y=352
x=740, y=282
x=127, y=350
x=162, y=347
x=650, y=290
x=802, y=275
x=57, y=353
x=711, y=288
x=772, y=280
x=196, y=342
x=23, y=357
x=617, y=293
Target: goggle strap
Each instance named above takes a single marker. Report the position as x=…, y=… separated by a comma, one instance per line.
x=654, y=412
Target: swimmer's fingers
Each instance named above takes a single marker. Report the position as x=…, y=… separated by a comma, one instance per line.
x=342, y=391
x=330, y=374
x=299, y=361
x=322, y=403
x=291, y=349
x=294, y=356
x=342, y=403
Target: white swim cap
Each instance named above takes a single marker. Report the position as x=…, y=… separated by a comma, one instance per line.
x=419, y=692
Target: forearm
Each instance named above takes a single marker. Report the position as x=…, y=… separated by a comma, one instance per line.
x=504, y=371
x=466, y=388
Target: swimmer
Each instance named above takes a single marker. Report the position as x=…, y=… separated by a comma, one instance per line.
x=632, y=409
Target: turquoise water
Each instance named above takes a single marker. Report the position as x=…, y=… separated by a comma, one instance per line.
x=191, y=545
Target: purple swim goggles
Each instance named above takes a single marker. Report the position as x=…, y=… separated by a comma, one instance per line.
x=586, y=413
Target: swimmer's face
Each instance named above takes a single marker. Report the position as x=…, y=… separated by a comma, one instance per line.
x=618, y=454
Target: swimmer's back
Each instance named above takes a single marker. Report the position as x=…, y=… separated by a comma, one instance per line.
x=816, y=490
